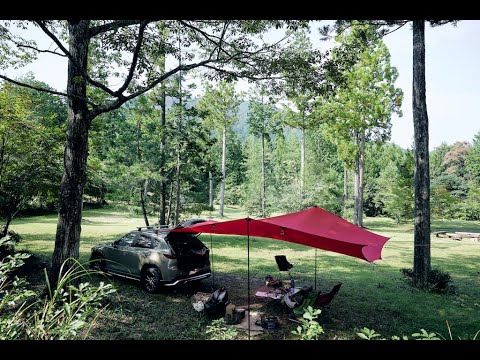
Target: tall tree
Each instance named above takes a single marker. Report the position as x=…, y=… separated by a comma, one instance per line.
x=302, y=96
x=95, y=50
x=262, y=121
x=421, y=257
x=362, y=108
x=421, y=261
x=220, y=104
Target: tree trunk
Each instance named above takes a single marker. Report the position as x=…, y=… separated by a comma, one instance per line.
x=139, y=135
x=421, y=259
x=263, y=175
x=224, y=159
x=67, y=239
x=163, y=183
x=177, y=192
x=143, y=193
x=358, y=183
x=163, y=104
x=5, y=227
x=210, y=190
x=179, y=132
x=345, y=190
x=170, y=195
x=302, y=163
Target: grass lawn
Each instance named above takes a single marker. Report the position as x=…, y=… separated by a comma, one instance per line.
x=372, y=295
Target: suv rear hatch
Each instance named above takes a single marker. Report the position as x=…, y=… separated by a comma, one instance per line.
x=192, y=255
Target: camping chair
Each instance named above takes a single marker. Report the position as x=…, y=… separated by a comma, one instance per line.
x=325, y=299
x=284, y=265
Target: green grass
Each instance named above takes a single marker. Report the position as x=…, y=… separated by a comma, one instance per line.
x=372, y=295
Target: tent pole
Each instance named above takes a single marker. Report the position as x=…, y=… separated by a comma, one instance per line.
x=211, y=267
x=248, y=273
x=315, y=269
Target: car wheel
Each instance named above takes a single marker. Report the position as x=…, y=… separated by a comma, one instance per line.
x=151, y=278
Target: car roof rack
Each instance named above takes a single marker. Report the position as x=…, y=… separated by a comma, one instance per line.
x=152, y=227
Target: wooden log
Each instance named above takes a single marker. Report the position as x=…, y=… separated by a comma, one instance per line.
x=468, y=234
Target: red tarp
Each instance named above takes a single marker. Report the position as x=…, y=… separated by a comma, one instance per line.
x=313, y=227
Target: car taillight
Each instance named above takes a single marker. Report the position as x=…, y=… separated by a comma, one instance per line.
x=169, y=256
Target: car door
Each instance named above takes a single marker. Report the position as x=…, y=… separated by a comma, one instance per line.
x=118, y=254
x=139, y=254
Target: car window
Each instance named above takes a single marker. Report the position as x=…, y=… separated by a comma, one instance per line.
x=127, y=240
x=160, y=243
x=143, y=241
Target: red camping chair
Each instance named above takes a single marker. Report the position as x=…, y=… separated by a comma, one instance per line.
x=326, y=298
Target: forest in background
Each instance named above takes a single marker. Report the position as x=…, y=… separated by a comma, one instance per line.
x=123, y=163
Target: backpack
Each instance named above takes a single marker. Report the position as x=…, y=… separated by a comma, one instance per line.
x=216, y=303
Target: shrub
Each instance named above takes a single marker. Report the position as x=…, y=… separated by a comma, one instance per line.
x=8, y=242
x=62, y=315
x=438, y=281
x=310, y=329
x=219, y=331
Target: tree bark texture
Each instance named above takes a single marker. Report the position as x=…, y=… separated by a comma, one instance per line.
x=177, y=188
x=163, y=182
x=143, y=193
x=224, y=160
x=170, y=196
x=263, y=175
x=5, y=227
x=421, y=259
x=358, y=183
x=302, y=163
x=210, y=190
x=179, y=130
x=67, y=239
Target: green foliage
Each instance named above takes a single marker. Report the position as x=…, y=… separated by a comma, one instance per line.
x=13, y=295
x=66, y=312
x=219, y=106
x=471, y=205
x=472, y=161
x=310, y=328
x=8, y=242
x=443, y=204
x=424, y=335
x=368, y=98
x=395, y=187
x=219, y=331
x=30, y=148
x=368, y=334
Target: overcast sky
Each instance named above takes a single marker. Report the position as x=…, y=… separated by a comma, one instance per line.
x=452, y=76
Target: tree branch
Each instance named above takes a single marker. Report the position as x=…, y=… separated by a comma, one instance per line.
x=53, y=92
x=133, y=65
x=38, y=50
x=94, y=31
x=97, y=110
x=221, y=38
x=207, y=36
x=54, y=38
x=70, y=57
x=405, y=23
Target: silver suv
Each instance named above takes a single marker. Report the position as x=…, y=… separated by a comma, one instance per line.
x=155, y=256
